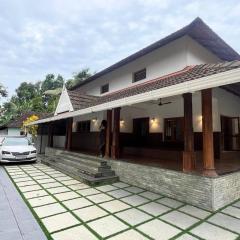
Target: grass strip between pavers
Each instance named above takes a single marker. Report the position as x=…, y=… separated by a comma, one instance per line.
x=187, y=230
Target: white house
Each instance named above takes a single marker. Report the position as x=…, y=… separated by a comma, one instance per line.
x=172, y=105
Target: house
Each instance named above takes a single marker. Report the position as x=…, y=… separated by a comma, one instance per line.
x=14, y=126
x=173, y=117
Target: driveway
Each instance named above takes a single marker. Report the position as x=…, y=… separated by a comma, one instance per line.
x=67, y=209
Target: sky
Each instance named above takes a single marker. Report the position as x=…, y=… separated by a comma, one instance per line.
x=64, y=36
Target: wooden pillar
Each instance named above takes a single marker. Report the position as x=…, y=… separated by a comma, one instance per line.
x=50, y=135
x=108, y=134
x=188, y=154
x=68, y=143
x=116, y=130
x=207, y=130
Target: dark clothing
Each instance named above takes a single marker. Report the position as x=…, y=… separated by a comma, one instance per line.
x=102, y=141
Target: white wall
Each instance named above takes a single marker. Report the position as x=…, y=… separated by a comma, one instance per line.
x=14, y=131
x=224, y=103
x=168, y=59
x=95, y=118
x=59, y=141
x=4, y=132
x=64, y=103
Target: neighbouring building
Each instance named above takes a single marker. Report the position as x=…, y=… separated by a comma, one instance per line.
x=173, y=114
x=14, y=126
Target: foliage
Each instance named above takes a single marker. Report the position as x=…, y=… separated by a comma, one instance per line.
x=3, y=92
x=30, y=129
x=41, y=96
x=78, y=77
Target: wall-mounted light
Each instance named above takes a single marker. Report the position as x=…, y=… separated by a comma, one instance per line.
x=121, y=121
x=153, y=120
x=94, y=119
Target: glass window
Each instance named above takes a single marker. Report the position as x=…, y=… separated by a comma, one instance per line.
x=16, y=142
x=104, y=88
x=83, y=126
x=139, y=75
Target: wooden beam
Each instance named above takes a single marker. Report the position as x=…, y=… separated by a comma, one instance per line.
x=108, y=134
x=116, y=132
x=188, y=154
x=69, y=124
x=207, y=130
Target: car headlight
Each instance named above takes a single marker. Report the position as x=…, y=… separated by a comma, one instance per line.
x=34, y=151
x=5, y=152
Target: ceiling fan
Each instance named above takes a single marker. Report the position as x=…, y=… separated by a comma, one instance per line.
x=160, y=103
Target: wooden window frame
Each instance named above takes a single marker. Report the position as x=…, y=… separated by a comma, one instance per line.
x=84, y=129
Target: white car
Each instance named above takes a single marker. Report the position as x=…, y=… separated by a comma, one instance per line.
x=17, y=149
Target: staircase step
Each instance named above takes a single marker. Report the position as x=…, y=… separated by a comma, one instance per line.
x=95, y=163
x=73, y=172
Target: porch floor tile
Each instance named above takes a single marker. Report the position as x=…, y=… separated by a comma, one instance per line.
x=88, y=191
x=48, y=210
x=114, y=206
x=106, y=188
x=120, y=184
x=154, y=209
x=133, y=216
x=90, y=213
x=129, y=235
x=194, y=211
x=170, y=202
x=58, y=190
x=78, y=186
x=134, y=189
x=60, y=221
x=34, y=194
x=35, y=202
x=30, y=188
x=179, y=219
x=233, y=211
x=52, y=185
x=157, y=229
x=74, y=233
x=211, y=232
x=223, y=220
x=66, y=196
x=135, y=200
x=120, y=193
x=77, y=203
x=186, y=237
x=150, y=195
x=99, y=198
x=107, y=226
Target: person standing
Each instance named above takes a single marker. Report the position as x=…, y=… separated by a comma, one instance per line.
x=102, y=138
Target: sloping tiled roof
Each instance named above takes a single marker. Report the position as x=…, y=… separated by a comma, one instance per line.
x=197, y=30
x=18, y=121
x=79, y=100
x=187, y=74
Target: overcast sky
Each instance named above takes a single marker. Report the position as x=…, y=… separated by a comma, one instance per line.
x=64, y=36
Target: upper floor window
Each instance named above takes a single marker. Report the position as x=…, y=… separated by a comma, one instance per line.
x=139, y=75
x=104, y=88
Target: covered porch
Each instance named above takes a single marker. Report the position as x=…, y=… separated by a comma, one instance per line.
x=186, y=133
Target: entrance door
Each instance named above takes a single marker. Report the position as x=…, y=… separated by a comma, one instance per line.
x=173, y=129
x=230, y=127
x=141, y=131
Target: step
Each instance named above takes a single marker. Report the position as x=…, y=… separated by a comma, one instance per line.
x=93, y=163
x=82, y=155
x=85, y=168
x=92, y=181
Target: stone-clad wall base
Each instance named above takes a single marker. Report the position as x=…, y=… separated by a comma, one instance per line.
x=208, y=193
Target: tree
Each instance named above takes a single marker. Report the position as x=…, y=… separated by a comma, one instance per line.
x=3, y=91
x=51, y=82
x=26, y=91
x=30, y=129
x=79, y=77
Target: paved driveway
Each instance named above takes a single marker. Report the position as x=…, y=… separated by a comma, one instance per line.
x=16, y=220
x=70, y=210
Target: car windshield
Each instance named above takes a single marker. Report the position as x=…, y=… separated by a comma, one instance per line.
x=16, y=142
